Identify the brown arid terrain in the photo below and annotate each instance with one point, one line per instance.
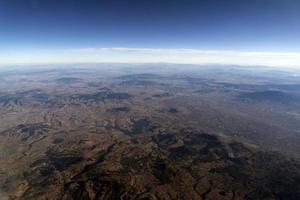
(159, 131)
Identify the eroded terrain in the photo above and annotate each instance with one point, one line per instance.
(149, 132)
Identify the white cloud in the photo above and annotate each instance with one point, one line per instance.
(188, 51)
(154, 55)
(195, 56)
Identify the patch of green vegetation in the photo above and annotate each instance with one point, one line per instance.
(93, 172)
(135, 163)
(57, 140)
(100, 153)
(173, 110)
(163, 172)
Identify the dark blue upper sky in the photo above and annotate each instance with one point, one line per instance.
(249, 25)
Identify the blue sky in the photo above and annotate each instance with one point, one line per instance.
(50, 30)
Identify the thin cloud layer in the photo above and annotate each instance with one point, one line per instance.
(197, 56)
(154, 55)
(188, 51)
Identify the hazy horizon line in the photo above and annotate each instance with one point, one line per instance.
(154, 55)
